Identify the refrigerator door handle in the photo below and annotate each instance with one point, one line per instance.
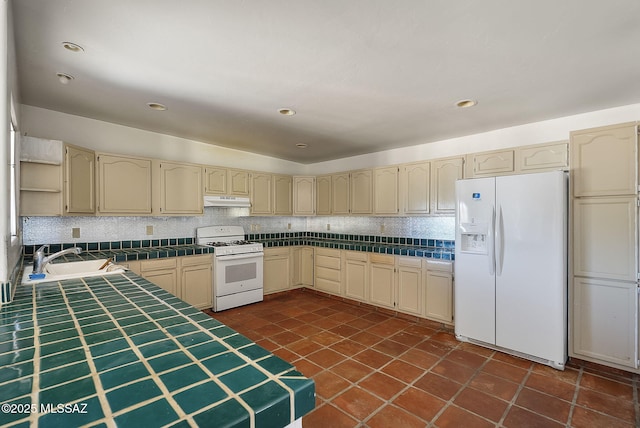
(492, 241)
(499, 244)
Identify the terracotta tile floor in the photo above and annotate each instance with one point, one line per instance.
(376, 370)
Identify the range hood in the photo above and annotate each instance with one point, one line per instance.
(226, 201)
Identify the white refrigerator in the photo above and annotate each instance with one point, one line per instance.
(511, 265)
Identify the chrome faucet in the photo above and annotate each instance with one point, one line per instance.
(40, 261)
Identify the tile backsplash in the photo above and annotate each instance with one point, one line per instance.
(37, 230)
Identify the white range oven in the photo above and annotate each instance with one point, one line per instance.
(237, 266)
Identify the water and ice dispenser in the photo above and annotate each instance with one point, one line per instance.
(473, 237)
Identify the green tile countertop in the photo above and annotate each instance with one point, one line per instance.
(118, 350)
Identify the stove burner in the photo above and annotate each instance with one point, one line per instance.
(228, 244)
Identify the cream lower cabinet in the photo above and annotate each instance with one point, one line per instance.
(327, 270)
(382, 283)
(124, 185)
(189, 278)
(196, 280)
(410, 285)
(605, 321)
(277, 269)
(302, 265)
(439, 291)
(355, 265)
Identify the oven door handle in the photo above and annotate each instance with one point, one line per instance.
(239, 256)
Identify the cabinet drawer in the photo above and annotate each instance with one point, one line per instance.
(326, 273)
(276, 251)
(414, 262)
(438, 265)
(196, 260)
(331, 252)
(355, 255)
(327, 261)
(329, 286)
(150, 265)
(383, 259)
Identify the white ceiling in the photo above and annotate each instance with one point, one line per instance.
(363, 75)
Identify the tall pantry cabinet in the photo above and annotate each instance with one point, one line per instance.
(604, 292)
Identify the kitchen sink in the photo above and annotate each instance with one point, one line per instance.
(70, 270)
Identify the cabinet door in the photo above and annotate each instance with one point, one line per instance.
(604, 161)
(340, 201)
(238, 182)
(410, 285)
(356, 277)
(261, 193)
(385, 200)
(282, 195)
(542, 157)
(605, 321)
(604, 237)
(323, 195)
(362, 192)
(197, 285)
(490, 163)
(215, 181)
(444, 173)
(165, 278)
(306, 266)
(382, 284)
(276, 273)
(180, 188)
(439, 299)
(124, 185)
(304, 195)
(416, 179)
(79, 180)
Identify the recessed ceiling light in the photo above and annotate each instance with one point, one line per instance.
(157, 106)
(287, 111)
(64, 78)
(301, 145)
(466, 103)
(72, 47)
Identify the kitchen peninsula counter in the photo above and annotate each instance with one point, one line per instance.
(119, 348)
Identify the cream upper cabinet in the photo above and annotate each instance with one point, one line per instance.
(40, 189)
(124, 185)
(237, 182)
(261, 193)
(180, 189)
(444, 173)
(215, 180)
(410, 285)
(382, 280)
(385, 197)
(542, 157)
(282, 194)
(415, 179)
(277, 269)
(79, 180)
(323, 195)
(604, 161)
(356, 275)
(340, 189)
(304, 195)
(439, 291)
(605, 231)
(605, 322)
(492, 163)
(362, 192)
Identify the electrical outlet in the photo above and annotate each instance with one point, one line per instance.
(382, 228)
(328, 226)
(288, 226)
(75, 232)
(149, 230)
